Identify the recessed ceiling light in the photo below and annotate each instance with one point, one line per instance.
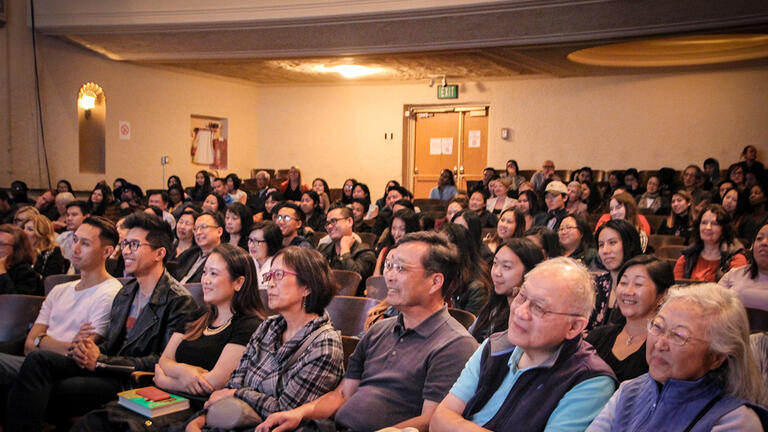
(676, 51)
(348, 70)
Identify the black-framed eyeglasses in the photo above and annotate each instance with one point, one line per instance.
(256, 241)
(332, 221)
(537, 310)
(203, 227)
(134, 244)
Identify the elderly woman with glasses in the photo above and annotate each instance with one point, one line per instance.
(701, 372)
(293, 357)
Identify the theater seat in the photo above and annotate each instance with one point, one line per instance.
(376, 287)
(348, 313)
(348, 281)
(17, 314)
(51, 281)
(465, 318)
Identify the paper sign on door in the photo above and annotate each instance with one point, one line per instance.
(435, 146)
(474, 138)
(447, 146)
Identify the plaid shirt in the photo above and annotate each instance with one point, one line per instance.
(316, 372)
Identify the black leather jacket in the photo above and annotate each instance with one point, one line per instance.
(167, 311)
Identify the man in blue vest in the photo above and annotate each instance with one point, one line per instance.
(539, 374)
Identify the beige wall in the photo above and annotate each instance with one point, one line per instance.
(157, 103)
(642, 121)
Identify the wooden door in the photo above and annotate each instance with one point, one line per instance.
(452, 138)
(436, 148)
(474, 147)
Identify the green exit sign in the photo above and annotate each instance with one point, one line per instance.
(448, 91)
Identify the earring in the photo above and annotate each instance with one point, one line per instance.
(304, 302)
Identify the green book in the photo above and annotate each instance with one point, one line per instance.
(149, 408)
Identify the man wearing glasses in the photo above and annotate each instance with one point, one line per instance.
(208, 230)
(344, 252)
(289, 219)
(405, 364)
(144, 315)
(539, 374)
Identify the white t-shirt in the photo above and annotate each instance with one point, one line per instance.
(65, 310)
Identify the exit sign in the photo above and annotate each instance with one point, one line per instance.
(448, 91)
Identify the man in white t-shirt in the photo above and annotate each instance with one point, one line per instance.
(74, 309)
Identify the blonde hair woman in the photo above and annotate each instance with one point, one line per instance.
(48, 257)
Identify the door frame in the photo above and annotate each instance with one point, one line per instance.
(409, 137)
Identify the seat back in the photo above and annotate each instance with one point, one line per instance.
(670, 251)
(348, 313)
(51, 281)
(367, 238)
(315, 237)
(348, 281)
(17, 314)
(655, 221)
(658, 240)
(376, 287)
(758, 320)
(196, 289)
(348, 343)
(465, 318)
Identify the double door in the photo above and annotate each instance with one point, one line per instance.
(454, 138)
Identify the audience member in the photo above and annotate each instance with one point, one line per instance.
(403, 222)
(680, 220)
(528, 205)
(191, 263)
(46, 205)
(539, 374)
(63, 186)
(292, 188)
(477, 203)
(23, 214)
(653, 200)
(19, 193)
(512, 172)
(202, 187)
(632, 183)
(643, 282)
(360, 209)
(469, 220)
(6, 210)
(702, 375)
(473, 283)
(751, 281)
(446, 187)
(234, 193)
(546, 240)
(264, 241)
(100, 200)
(16, 258)
(273, 199)
(511, 224)
(256, 200)
(74, 309)
(577, 240)
(513, 260)
(160, 200)
(289, 219)
(711, 173)
(715, 250)
(750, 162)
(237, 224)
(736, 175)
(71, 386)
(320, 186)
(404, 365)
(500, 201)
(736, 204)
(185, 233)
(310, 205)
(62, 199)
(574, 205)
(546, 174)
(344, 252)
(455, 205)
(48, 257)
(556, 194)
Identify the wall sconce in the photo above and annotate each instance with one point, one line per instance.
(89, 95)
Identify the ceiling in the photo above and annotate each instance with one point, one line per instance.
(502, 39)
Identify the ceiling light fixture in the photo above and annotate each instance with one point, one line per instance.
(348, 70)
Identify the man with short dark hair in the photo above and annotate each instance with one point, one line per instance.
(344, 252)
(555, 196)
(405, 364)
(77, 308)
(360, 208)
(289, 218)
(220, 188)
(208, 230)
(159, 199)
(540, 374)
(144, 315)
(45, 204)
(77, 211)
(693, 178)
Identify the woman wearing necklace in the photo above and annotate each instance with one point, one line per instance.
(201, 360)
(643, 281)
(293, 357)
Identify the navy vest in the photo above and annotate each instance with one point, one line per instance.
(537, 391)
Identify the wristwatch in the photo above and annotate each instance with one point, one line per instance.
(39, 339)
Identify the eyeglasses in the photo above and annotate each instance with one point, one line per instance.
(284, 218)
(678, 336)
(537, 311)
(203, 227)
(566, 228)
(331, 222)
(396, 267)
(134, 244)
(348, 187)
(278, 274)
(256, 241)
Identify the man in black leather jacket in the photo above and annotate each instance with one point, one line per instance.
(144, 315)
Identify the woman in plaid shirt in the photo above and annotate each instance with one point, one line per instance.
(270, 376)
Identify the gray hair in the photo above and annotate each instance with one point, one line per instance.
(265, 174)
(64, 198)
(576, 276)
(727, 330)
